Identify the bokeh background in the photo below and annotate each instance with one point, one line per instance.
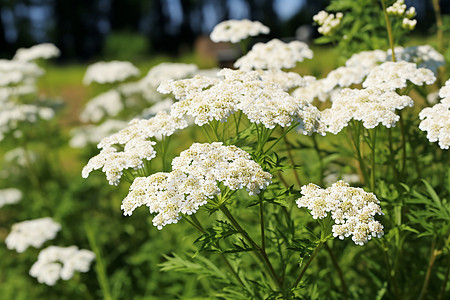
(116, 29)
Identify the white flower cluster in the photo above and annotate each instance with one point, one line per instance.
(136, 147)
(12, 114)
(274, 54)
(236, 30)
(399, 9)
(356, 68)
(31, 233)
(106, 104)
(110, 72)
(9, 196)
(371, 106)
(193, 180)
(262, 101)
(328, 22)
(436, 119)
(60, 262)
(352, 210)
(92, 134)
(424, 56)
(390, 76)
(45, 50)
(286, 80)
(167, 71)
(14, 72)
(145, 88)
(161, 106)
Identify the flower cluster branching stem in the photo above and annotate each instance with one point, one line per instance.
(100, 264)
(319, 155)
(339, 271)
(389, 29)
(197, 225)
(261, 251)
(446, 279)
(433, 254)
(305, 267)
(291, 158)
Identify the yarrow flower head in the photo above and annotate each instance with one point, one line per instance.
(436, 119)
(167, 71)
(194, 179)
(255, 94)
(390, 76)
(236, 30)
(45, 50)
(106, 104)
(110, 72)
(423, 56)
(14, 72)
(328, 22)
(356, 69)
(274, 54)
(398, 9)
(92, 134)
(60, 262)
(352, 210)
(130, 148)
(9, 196)
(31, 233)
(371, 106)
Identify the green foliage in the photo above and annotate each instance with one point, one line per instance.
(123, 45)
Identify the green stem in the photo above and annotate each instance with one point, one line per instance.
(214, 125)
(392, 157)
(282, 136)
(389, 29)
(439, 25)
(261, 218)
(433, 255)
(372, 170)
(262, 254)
(305, 267)
(100, 265)
(389, 271)
(446, 277)
(210, 140)
(354, 130)
(291, 158)
(319, 154)
(403, 132)
(196, 224)
(339, 271)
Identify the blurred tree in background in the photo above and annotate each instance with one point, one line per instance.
(86, 29)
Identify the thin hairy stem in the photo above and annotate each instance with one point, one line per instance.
(100, 269)
(433, 255)
(319, 154)
(391, 278)
(403, 132)
(305, 267)
(389, 29)
(338, 270)
(392, 157)
(282, 136)
(210, 140)
(439, 26)
(261, 219)
(262, 254)
(291, 158)
(196, 224)
(373, 155)
(446, 277)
